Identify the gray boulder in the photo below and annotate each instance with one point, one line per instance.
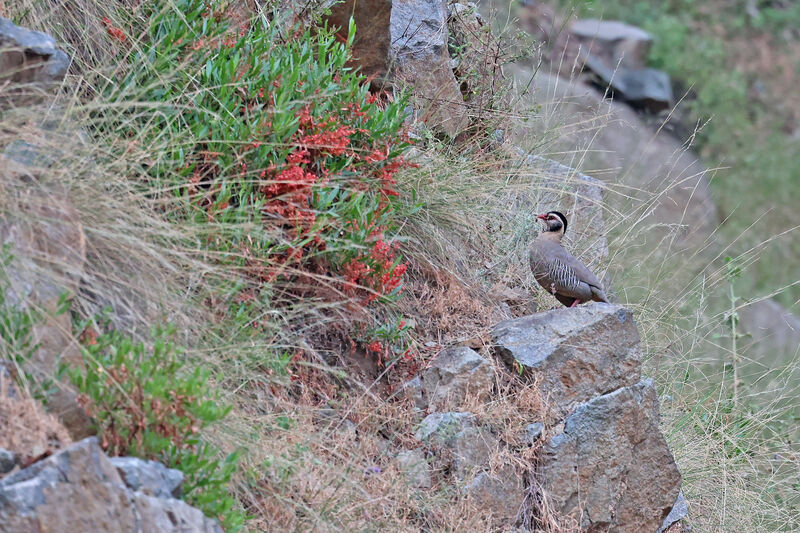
(415, 468)
(611, 469)
(454, 374)
(613, 42)
(460, 434)
(79, 489)
(573, 354)
(645, 88)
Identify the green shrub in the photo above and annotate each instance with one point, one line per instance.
(145, 403)
(268, 140)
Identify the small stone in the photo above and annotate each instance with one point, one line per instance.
(679, 511)
(471, 445)
(8, 460)
(533, 432)
(453, 375)
(415, 468)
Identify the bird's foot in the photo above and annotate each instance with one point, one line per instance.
(575, 302)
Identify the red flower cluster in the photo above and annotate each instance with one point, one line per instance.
(375, 271)
(290, 192)
(113, 31)
(319, 136)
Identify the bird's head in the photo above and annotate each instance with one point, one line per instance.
(554, 221)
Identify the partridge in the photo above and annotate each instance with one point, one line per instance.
(557, 270)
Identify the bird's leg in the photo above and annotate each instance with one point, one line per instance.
(575, 302)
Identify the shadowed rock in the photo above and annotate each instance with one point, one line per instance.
(611, 469)
(421, 59)
(573, 354)
(371, 45)
(28, 60)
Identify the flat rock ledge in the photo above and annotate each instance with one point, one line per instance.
(573, 354)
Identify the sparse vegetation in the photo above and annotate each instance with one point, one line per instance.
(245, 186)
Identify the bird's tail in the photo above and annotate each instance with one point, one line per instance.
(598, 295)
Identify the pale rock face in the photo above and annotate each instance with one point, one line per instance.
(613, 42)
(420, 58)
(573, 354)
(611, 469)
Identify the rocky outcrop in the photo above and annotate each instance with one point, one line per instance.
(611, 469)
(371, 44)
(80, 489)
(406, 42)
(29, 61)
(573, 355)
(420, 57)
(602, 462)
(453, 375)
(459, 443)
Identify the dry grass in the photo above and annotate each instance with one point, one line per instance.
(320, 449)
(27, 429)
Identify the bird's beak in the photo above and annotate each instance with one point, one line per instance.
(541, 217)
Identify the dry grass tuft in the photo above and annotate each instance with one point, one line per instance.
(27, 429)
